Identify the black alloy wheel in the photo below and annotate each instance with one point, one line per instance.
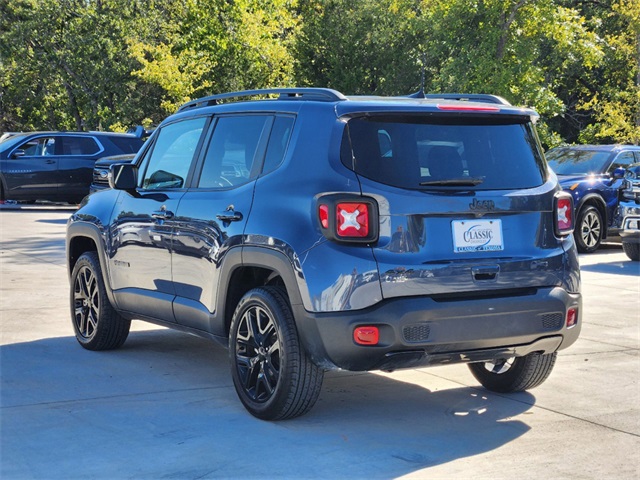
(258, 354)
(272, 374)
(96, 324)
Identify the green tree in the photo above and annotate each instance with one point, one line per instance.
(612, 105)
(214, 46)
(65, 64)
(360, 47)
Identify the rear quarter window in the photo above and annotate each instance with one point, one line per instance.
(79, 146)
(127, 145)
(483, 153)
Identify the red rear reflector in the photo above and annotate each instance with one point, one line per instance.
(468, 108)
(323, 213)
(572, 317)
(366, 335)
(352, 219)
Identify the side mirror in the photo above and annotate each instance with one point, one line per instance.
(18, 153)
(123, 176)
(619, 172)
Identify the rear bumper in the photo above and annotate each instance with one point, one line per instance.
(423, 331)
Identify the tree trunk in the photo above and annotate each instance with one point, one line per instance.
(74, 106)
(505, 28)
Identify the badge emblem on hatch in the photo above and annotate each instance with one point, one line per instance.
(482, 205)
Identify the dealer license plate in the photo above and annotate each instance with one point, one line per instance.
(477, 235)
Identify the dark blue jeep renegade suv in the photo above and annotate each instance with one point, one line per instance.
(310, 231)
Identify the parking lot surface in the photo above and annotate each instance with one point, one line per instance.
(163, 406)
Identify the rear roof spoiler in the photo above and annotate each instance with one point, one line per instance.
(462, 97)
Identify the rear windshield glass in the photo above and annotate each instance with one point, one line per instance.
(444, 152)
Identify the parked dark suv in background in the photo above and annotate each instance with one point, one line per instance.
(628, 213)
(315, 231)
(593, 175)
(56, 166)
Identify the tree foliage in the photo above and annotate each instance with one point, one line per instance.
(110, 64)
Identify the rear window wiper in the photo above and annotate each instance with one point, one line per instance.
(454, 182)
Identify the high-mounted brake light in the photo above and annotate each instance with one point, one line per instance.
(563, 212)
(467, 108)
(348, 218)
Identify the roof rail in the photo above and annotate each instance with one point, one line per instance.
(466, 97)
(317, 94)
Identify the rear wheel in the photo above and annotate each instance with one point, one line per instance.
(588, 233)
(632, 250)
(96, 323)
(272, 374)
(514, 374)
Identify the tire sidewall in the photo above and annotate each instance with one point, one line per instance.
(632, 250)
(582, 247)
(283, 323)
(497, 382)
(108, 320)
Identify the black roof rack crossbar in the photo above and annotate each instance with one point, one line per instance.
(468, 97)
(317, 94)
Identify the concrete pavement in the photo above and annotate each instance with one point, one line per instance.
(164, 406)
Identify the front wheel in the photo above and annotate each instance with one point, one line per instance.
(514, 374)
(632, 250)
(272, 374)
(590, 229)
(97, 325)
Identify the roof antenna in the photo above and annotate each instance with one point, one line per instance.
(420, 93)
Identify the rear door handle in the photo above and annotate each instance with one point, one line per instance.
(229, 215)
(162, 214)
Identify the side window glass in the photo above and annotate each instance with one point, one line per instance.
(79, 146)
(623, 160)
(171, 156)
(232, 151)
(278, 142)
(39, 147)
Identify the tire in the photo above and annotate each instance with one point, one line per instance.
(589, 229)
(272, 374)
(632, 250)
(96, 323)
(515, 374)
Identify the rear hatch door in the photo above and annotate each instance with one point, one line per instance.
(465, 202)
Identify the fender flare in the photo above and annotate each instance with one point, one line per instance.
(77, 229)
(259, 257)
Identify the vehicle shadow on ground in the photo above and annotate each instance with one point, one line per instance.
(164, 406)
(58, 221)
